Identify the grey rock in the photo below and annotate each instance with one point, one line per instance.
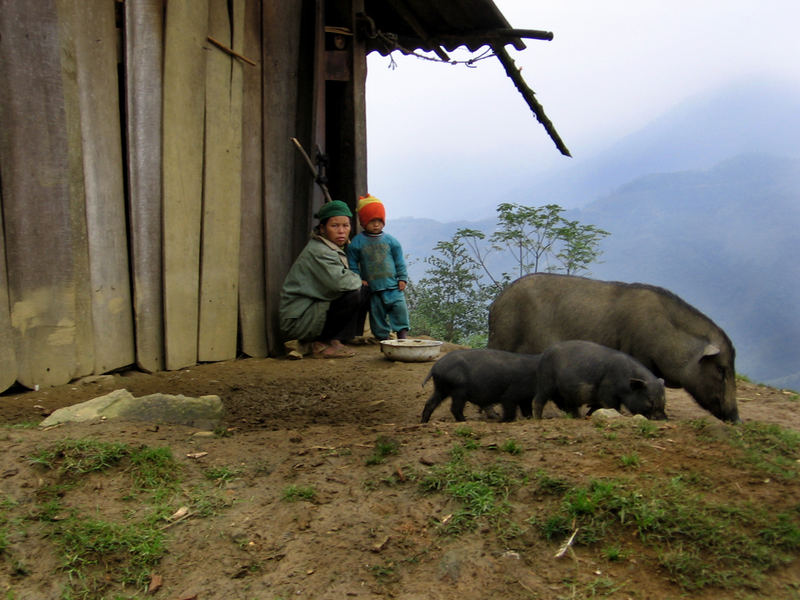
(605, 413)
(204, 413)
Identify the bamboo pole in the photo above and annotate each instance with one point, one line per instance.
(529, 95)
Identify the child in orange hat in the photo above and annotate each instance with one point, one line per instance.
(378, 258)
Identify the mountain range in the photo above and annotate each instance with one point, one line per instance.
(714, 217)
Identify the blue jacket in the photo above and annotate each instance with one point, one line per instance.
(378, 259)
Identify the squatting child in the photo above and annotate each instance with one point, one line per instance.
(378, 258)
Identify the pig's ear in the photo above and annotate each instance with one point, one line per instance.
(637, 384)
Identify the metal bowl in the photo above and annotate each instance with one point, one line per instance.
(411, 350)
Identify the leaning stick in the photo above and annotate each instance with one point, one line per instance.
(313, 168)
(224, 48)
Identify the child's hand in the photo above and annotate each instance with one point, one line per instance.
(364, 282)
(401, 285)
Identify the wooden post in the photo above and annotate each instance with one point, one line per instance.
(252, 286)
(222, 187)
(280, 61)
(39, 193)
(347, 133)
(358, 94)
(144, 40)
(184, 107)
(101, 139)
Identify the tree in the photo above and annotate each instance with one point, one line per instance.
(450, 303)
(580, 246)
(528, 233)
(473, 239)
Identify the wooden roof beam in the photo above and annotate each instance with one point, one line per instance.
(492, 36)
(528, 94)
(409, 17)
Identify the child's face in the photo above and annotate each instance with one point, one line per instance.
(374, 226)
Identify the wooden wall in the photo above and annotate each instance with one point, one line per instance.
(152, 201)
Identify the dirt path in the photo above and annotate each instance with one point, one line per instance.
(370, 532)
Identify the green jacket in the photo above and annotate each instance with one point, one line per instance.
(318, 276)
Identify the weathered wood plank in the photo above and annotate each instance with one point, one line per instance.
(184, 105)
(144, 95)
(8, 360)
(34, 152)
(252, 287)
(84, 328)
(112, 315)
(281, 56)
(222, 186)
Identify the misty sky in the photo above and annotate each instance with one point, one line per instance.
(441, 137)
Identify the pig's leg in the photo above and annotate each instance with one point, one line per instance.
(538, 405)
(458, 404)
(509, 410)
(434, 401)
(526, 407)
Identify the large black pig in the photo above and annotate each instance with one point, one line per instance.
(483, 377)
(577, 373)
(674, 340)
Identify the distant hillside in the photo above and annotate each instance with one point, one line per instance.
(724, 239)
(746, 116)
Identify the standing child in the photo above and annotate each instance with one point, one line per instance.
(378, 258)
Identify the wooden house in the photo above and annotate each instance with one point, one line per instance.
(154, 192)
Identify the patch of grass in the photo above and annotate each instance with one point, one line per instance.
(646, 428)
(293, 493)
(100, 557)
(79, 457)
(702, 429)
(5, 505)
(549, 484)
(631, 460)
(614, 553)
(512, 447)
(553, 528)
(222, 475)
(204, 504)
(481, 491)
(769, 448)
(699, 543)
(23, 425)
(384, 573)
(90, 546)
(691, 479)
(384, 446)
(222, 432)
(154, 470)
(465, 432)
(601, 587)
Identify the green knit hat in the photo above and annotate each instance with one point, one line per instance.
(335, 208)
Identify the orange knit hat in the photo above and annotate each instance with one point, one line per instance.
(369, 207)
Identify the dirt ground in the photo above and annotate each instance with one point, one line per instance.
(369, 531)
